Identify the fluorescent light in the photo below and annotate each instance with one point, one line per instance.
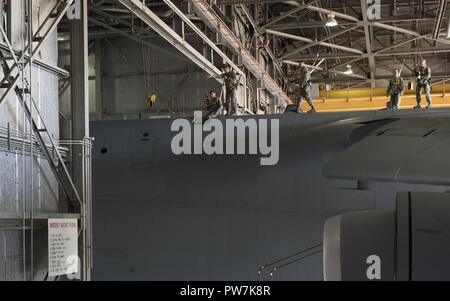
(331, 21)
(448, 30)
(349, 70)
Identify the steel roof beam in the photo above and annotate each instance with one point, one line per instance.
(376, 24)
(439, 18)
(302, 48)
(369, 43)
(314, 24)
(213, 21)
(326, 70)
(312, 42)
(287, 14)
(259, 33)
(332, 56)
(158, 25)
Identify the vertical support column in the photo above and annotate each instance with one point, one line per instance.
(99, 79)
(80, 112)
(12, 114)
(15, 27)
(368, 34)
(2, 7)
(79, 89)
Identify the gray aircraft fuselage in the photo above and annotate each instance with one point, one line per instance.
(160, 216)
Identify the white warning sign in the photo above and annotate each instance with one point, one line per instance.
(62, 246)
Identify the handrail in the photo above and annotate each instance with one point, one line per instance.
(291, 262)
(261, 268)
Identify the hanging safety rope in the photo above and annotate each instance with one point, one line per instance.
(148, 63)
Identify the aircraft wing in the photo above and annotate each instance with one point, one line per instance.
(412, 150)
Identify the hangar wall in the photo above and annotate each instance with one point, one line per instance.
(16, 190)
(180, 86)
(128, 71)
(125, 65)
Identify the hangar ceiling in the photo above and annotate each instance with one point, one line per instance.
(403, 32)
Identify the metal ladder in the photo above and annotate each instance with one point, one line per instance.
(9, 82)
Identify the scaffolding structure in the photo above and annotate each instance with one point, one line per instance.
(36, 141)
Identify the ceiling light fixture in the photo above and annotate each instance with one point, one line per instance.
(349, 70)
(448, 30)
(331, 21)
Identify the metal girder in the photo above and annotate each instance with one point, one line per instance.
(258, 31)
(332, 56)
(409, 32)
(36, 62)
(203, 36)
(313, 24)
(328, 12)
(314, 43)
(304, 25)
(385, 28)
(368, 40)
(37, 123)
(213, 21)
(151, 19)
(438, 76)
(229, 2)
(40, 37)
(210, 43)
(134, 38)
(36, 128)
(133, 27)
(376, 24)
(327, 70)
(287, 14)
(439, 18)
(380, 51)
(338, 33)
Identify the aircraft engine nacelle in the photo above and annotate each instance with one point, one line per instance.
(411, 242)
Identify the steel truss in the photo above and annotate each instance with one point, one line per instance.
(52, 151)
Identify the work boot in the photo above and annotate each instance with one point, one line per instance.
(417, 107)
(429, 106)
